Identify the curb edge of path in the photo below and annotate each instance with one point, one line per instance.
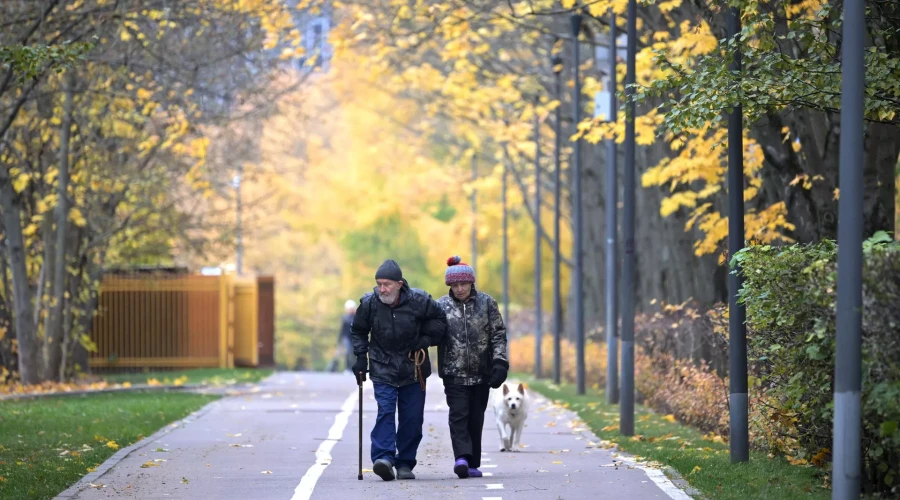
(200, 388)
(671, 474)
(109, 390)
(120, 455)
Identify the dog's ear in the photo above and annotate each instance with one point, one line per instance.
(521, 389)
(505, 390)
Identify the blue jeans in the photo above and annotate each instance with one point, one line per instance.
(398, 444)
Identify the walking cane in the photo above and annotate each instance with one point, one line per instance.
(360, 425)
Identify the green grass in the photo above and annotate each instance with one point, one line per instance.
(213, 376)
(47, 444)
(704, 463)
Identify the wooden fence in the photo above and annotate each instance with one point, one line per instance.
(181, 321)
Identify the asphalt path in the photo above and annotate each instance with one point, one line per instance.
(295, 436)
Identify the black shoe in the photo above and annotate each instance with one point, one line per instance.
(384, 469)
(404, 472)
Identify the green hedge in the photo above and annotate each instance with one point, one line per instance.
(790, 296)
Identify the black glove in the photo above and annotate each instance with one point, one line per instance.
(359, 368)
(421, 343)
(498, 375)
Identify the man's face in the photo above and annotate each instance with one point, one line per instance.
(461, 290)
(388, 290)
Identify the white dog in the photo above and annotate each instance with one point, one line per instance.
(510, 412)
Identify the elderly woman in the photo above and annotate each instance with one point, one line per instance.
(471, 360)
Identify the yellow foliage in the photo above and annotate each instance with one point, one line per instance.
(702, 159)
(76, 217)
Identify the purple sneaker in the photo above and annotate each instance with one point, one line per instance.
(461, 468)
(474, 473)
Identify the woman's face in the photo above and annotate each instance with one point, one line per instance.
(461, 290)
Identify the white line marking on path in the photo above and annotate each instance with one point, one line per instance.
(304, 490)
(658, 477)
(491, 498)
(489, 466)
(655, 475)
(487, 474)
(498, 486)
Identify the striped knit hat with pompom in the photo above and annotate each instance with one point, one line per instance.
(458, 271)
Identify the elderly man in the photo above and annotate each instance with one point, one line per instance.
(403, 323)
(471, 360)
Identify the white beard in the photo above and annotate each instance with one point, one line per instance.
(389, 299)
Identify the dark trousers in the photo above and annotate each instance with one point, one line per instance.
(398, 444)
(467, 405)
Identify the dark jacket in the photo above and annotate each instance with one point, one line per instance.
(394, 332)
(475, 341)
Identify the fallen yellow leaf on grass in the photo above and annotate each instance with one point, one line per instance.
(126, 384)
(715, 438)
(112, 444)
(696, 469)
(669, 418)
(819, 458)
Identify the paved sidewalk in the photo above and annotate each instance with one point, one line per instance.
(296, 437)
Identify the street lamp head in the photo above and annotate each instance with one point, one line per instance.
(575, 22)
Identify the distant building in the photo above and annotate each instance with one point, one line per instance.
(315, 26)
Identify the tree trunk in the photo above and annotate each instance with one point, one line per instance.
(29, 348)
(666, 268)
(55, 334)
(84, 324)
(814, 211)
(7, 357)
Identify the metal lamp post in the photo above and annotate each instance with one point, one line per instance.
(239, 250)
(737, 330)
(848, 361)
(505, 254)
(577, 272)
(474, 214)
(557, 61)
(626, 407)
(539, 318)
(612, 268)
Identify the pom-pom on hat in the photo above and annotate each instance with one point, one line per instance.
(458, 271)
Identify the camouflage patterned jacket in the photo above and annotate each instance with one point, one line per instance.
(475, 340)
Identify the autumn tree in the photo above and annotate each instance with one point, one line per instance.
(98, 160)
(789, 88)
